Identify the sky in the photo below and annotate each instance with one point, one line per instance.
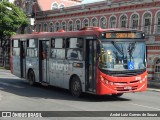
(11, 0)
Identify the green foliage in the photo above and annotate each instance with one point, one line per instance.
(11, 19)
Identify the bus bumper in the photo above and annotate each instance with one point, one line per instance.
(104, 88)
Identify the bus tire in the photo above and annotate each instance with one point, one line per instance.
(117, 95)
(76, 87)
(31, 78)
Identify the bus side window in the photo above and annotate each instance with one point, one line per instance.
(75, 48)
(57, 48)
(52, 43)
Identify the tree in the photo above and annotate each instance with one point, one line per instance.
(12, 19)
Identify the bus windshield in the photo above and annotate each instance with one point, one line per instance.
(118, 56)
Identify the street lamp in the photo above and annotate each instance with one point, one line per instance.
(12, 10)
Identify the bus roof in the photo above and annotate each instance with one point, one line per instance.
(61, 33)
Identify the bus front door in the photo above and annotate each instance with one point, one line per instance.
(44, 61)
(23, 58)
(91, 65)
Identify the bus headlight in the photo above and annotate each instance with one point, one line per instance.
(101, 78)
(107, 81)
(111, 83)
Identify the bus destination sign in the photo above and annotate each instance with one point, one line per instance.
(123, 35)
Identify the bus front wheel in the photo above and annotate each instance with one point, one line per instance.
(31, 78)
(75, 87)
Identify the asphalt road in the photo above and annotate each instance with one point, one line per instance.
(17, 95)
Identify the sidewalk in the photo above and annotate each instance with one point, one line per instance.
(154, 85)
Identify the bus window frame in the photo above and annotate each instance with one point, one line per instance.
(82, 49)
(34, 48)
(16, 47)
(63, 47)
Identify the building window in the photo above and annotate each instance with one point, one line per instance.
(134, 20)
(157, 69)
(103, 22)
(39, 28)
(94, 22)
(64, 25)
(61, 6)
(54, 6)
(51, 28)
(85, 23)
(78, 25)
(123, 21)
(158, 23)
(70, 26)
(113, 22)
(147, 23)
(45, 27)
(36, 28)
(57, 26)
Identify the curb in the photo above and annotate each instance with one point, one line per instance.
(153, 89)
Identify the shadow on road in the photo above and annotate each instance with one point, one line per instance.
(22, 88)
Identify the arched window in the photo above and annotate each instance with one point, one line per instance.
(94, 22)
(147, 23)
(57, 26)
(134, 21)
(70, 26)
(78, 25)
(36, 28)
(64, 25)
(113, 22)
(39, 28)
(61, 6)
(158, 23)
(157, 69)
(85, 23)
(123, 21)
(51, 27)
(44, 27)
(54, 6)
(103, 22)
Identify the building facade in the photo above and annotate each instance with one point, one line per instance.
(136, 14)
(30, 7)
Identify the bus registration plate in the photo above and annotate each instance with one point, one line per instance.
(127, 88)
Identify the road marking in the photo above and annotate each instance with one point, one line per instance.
(144, 106)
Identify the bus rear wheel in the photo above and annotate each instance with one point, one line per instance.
(117, 95)
(31, 78)
(75, 87)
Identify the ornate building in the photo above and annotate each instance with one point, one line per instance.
(30, 7)
(136, 14)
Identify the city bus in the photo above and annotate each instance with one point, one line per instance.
(90, 60)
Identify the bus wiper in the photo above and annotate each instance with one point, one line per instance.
(131, 48)
(118, 48)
